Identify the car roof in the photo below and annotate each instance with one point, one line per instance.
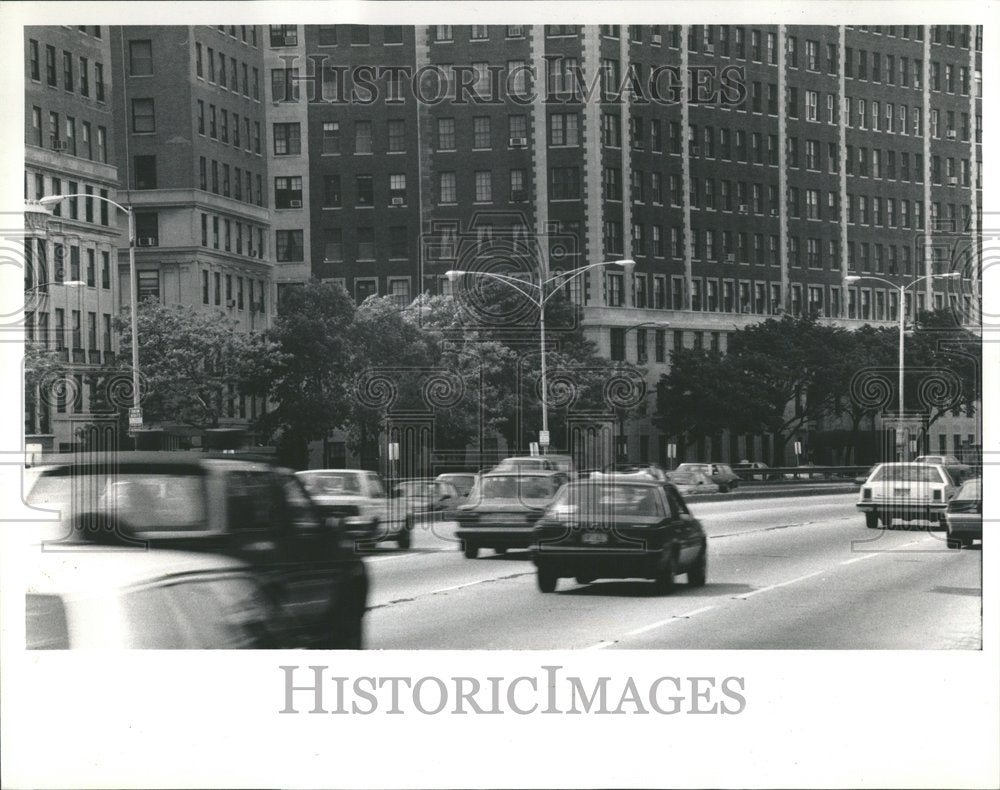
(618, 479)
(337, 471)
(524, 473)
(149, 458)
(81, 567)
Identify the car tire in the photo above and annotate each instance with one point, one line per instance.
(723, 488)
(887, 521)
(953, 542)
(664, 581)
(966, 543)
(871, 520)
(404, 539)
(471, 551)
(698, 574)
(547, 580)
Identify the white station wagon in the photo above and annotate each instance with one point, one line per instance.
(905, 492)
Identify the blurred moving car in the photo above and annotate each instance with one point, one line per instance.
(427, 499)
(692, 480)
(964, 515)
(905, 492)
(959, 472)
(528, 463)
(253, 511)
(462, 481)
(720, 474)
(753, 470)
(101, 597)
(616, 528)
(359, 499)
(503, 507)
(652, 471)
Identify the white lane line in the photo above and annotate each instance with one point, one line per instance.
(863, 557)
(780, 584)
(409, 555)
(881, 552)
(601, 645)
(671, 619)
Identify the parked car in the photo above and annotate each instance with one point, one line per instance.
(107, 598)
(964, 515)
(526, 463)
(959, 472)
(359, 499)
(753, 470)
(616, 528)
(905, 492)
(462, 481)
(653, 471)
(692, 481)
(427, 499)
(503, 507)
(252, 511)
(720, 474)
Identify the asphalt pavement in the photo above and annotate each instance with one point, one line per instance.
(783, 573)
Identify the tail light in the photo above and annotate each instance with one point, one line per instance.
(866, 493)
(936, 495)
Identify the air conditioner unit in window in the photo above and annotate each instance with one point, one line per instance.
(953, 180)
(295, 203)
(774, 212)
(695, 151)
(518, 142)
(397, 201)
(58, 145)
(146, 241)
(230, 303)
(744, 208)
(709, 49)
(951, 134)
(657, 39)
(731, 257)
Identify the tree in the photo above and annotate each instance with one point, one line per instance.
(303, 365)
(191, 363)
(689, 400)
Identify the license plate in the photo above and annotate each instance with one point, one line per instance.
(901, 491)
(594, 537)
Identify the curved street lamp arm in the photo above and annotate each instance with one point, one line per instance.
(49, 199)
(514, 283)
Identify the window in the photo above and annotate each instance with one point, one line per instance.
(143, 118)
(446, 134)
(613, 183)
(144, 172)
(50, 65)
(68, 83)
(105, 270)
(564, 129)
(481, 132)
(331, 137)
(333, 246)
(284, 85)
(140, 58)
(484, 186)
(148, 285)
(284, 35)
(287, 139)
(331, 191)
(442, 33)
(362, 137)
(397, 136)
(397, 188)
(364, 189)
(288, 192)
(288, 245)
(812, 105)
(518, 193)
(366, 244)
(446, 188)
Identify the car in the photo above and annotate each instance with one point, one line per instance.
(720, 474)
(426, 499)
(861, 478)
(618, 528)
(752, 470)
(964, 515)
(653, 471)
(959, 472)
(502, 509)
(462, 481)
(536, 463)
(692, 480)
(359, 498)
(253, 511)
(905, 492)
(115, 598)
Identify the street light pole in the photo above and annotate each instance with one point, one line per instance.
(539, 301)
(853, 278)
(50, 200)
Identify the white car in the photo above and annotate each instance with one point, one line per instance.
(905, 492)
(359, 498)
(690, 481)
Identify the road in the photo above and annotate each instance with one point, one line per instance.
(784, 573)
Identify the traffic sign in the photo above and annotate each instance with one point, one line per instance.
(135, 417)
(798, 448)
(672, 450)
(393, 451)
(543, 438)
(534, 448)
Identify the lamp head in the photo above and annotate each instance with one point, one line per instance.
(50, 200)
(851, 278)
(453, 274)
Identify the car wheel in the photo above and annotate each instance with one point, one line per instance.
(404, 539)
(698, 573)
(871, 520)
(547, 580)
(664, 581)
(723, 488)
(501, 550)
(471, 551)
(966, 543)
(887, 521)
(953, 543)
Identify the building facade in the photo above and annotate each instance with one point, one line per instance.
(70, 272)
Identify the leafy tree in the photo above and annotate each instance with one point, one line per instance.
(303, 365)
(191, 362)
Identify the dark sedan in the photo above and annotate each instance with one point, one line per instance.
(619, 529)
(964, 515)
(503, 507)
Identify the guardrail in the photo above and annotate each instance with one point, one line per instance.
(774, 474)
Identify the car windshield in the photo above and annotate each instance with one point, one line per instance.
(331, 483)
(462, 483)
(686, 476)
(909, 473)
(514, 488)
(607, 498)
(143, 501)
(692, 468)
(415, 489)
(971, 489)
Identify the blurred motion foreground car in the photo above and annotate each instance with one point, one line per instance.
(964, 515)
(358, 498)
(254, 512)
(619, 528)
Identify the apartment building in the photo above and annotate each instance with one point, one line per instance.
(70, 282)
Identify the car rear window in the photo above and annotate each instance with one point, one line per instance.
(331, 483)
(515, 488)
(143, 500)
(971, 489)
(907, 474)
(604, 499)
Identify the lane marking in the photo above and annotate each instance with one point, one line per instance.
(780, 584)
(671, 619)
(601, 645)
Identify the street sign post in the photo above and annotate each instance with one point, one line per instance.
(798, 453)
(135, 418)
(543, 438)
(534, 448)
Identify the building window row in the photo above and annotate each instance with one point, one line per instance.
(63, 134)
(232, 235)
(225, 127)
(393, 244)
(354, 35)
(220, 178)
(83, 202)
(245, 33)
(73, 73)
(232, 291)
(225, 72)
